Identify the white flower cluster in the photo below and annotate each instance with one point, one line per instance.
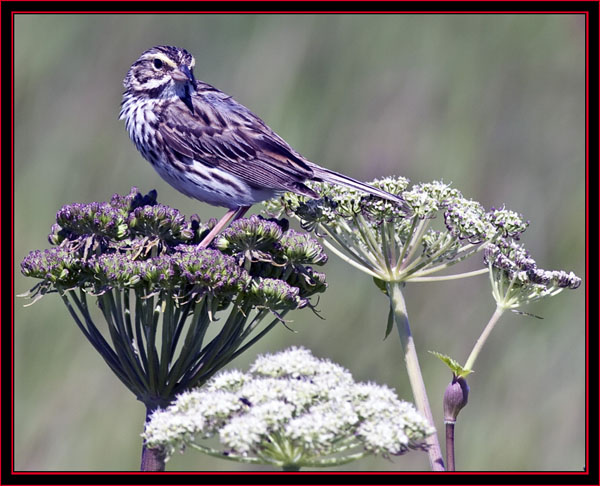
(290, 409)
(378, 237)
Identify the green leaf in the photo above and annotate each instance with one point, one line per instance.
(523, 313)
(454, 365)
(381, 285)
(390, 323)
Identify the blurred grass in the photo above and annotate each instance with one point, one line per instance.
(493, 103)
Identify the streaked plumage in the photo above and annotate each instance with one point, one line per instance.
(206, 144)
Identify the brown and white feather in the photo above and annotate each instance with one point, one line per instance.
(209, 146)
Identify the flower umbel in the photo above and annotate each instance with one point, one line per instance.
(379, 238)
(159, 292)
(516, 279)
(290, 410)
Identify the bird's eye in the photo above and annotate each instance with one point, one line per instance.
(158, 63)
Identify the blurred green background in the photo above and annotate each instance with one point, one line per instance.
(493, 103)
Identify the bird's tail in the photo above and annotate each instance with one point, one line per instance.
(326, 175)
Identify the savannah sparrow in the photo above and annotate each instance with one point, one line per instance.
(207, 145)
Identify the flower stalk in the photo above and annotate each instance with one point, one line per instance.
(413, 369)
(483, 337)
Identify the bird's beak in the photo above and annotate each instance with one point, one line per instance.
(183, 75)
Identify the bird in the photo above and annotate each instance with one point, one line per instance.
(210, 147)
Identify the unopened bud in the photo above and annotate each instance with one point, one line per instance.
(455, 398)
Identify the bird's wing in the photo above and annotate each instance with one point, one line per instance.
(223, 134)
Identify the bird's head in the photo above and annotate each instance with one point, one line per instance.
(162, 72)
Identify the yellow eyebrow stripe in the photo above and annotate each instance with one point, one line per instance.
(164, 58)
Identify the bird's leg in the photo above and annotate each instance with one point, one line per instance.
(229, 217)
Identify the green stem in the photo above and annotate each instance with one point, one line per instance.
(363, 261)
(168, 329)
(350, 240)
(484, 335)
(441, 278)
(369, 239)
(414, 371)
(413, 243)
(349, 260)
(270, 326)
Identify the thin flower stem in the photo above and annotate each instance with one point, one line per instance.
(208, 365)
(96, 339)
(127, 314)
(219, 343)
(369, 239)
(414, 243)
(362, 261)
(150, 325)
(349, 260)
(425, 266)
(450, 462)
(462, 254)
(188, 353)
(414, 371)
(334, 461)
(167, 335)
(347, 237)
(419, 264)
(91, 332)
(387, 241)
(272, 324)
(442, 278)
(136, 383)
(230, 457)
(125, 340)
(406, 245)
(139, 335)
(181, 320)
(388, 228)
(484, 335)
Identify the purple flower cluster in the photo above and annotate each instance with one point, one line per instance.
(131, 217)
(212, 270)
(133, 200)
(161, 222)
(134, 242)
(159, 292)
(514, 263)
(118, 270)
(300, 248)
(55, 265)
(508, 223)
(275, 294)
(93, 219)
(253, 233)
(266, 249)
(308, 281)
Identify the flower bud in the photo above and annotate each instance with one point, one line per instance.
(455, 398)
